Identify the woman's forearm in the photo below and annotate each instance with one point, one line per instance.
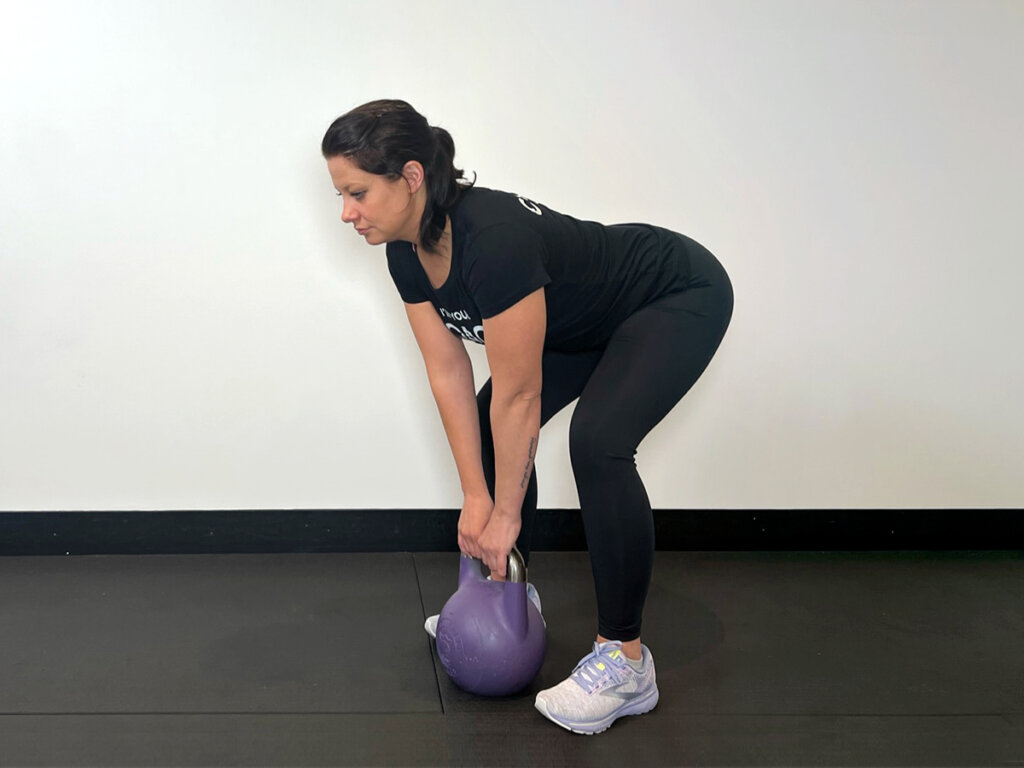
(515, 422)
(455, 395)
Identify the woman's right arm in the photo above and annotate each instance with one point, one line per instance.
(450, 372)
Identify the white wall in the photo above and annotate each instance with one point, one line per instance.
(185, 323)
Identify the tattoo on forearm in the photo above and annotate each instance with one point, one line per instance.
(529, 462)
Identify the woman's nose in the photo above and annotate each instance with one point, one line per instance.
(348, 215)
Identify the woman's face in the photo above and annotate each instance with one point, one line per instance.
(381, 210)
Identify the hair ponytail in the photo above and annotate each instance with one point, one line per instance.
(443, 186)
(380, 137)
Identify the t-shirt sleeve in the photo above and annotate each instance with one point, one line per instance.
(504, 264)
(402, 261)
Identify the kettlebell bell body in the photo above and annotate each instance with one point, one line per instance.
(490, 637)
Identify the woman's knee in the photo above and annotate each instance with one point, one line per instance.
(595, 442)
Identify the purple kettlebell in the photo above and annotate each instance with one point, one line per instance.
(490, 638)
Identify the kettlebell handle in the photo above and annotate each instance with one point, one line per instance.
(516, 568)
(515, 571)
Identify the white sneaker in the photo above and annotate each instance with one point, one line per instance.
(602, 688)
(531, 592)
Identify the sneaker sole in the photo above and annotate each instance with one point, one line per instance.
(638, 706)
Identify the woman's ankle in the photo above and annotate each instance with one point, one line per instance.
(631, 648)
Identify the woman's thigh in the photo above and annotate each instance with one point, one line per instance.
(564, 375)
(650, 362)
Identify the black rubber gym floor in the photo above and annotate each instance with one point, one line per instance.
(813, 659)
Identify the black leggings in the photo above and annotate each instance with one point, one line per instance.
(624, 389)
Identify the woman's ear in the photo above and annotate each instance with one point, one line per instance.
(414, 175)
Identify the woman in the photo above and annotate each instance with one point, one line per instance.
(623, 317)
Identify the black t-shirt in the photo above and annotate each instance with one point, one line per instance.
(505, 247)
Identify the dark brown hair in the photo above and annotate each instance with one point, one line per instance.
(382, 136)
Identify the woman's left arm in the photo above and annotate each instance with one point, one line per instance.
(514, 346)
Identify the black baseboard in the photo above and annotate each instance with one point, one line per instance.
(429, 530)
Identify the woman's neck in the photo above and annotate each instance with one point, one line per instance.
(442, 249)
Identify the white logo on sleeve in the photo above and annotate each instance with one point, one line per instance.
(529, 205)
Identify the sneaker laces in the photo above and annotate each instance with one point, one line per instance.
(602, 665)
